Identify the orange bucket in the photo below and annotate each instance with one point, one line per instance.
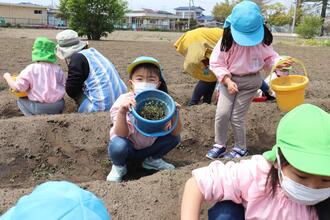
(289, 90)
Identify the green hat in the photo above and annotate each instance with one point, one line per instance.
(303, 135)
(43, 50)
(145, 59)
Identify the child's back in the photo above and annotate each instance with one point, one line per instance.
(43, 81)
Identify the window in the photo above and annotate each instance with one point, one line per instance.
(38, 12)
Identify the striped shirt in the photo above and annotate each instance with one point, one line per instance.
(103, 85)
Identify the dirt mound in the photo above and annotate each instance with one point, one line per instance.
(74, 146)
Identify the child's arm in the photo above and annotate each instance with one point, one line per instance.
(9, 80)
(191, 200)
(218, 63)
(178, 128)
(120, 125)
(22, 82)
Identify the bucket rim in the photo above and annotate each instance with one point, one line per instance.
(167, 118)
(301, 85)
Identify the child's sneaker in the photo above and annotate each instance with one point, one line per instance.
(216, 151)
(236, 152)
(117, 173)
(157, 164)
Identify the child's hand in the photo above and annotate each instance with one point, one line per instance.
(125, 106)
(285, 66)
(6, 75)
(232, 87)
(178, 106)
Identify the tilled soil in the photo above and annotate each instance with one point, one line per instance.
(73, 146)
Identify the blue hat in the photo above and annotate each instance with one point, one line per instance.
(145, 59)
(58, 200)
(246, 24)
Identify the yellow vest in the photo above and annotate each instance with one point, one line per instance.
(197, 45)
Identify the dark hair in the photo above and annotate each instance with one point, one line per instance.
(227, 38)
(151, 68)
(322, 208)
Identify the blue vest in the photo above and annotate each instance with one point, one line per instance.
(103, 85)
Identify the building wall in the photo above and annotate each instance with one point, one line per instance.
(23, 15)
(55, 21)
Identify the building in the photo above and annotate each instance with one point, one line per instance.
(148, 19)
(53, 20)
(184, 12)
(25, 14)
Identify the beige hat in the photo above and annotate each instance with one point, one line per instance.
(68, 43)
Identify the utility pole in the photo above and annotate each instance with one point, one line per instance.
(189, 14)
(295, 4)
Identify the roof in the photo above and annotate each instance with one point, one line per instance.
(205, 17)
(24, 4)
(151, 14)
(150, 11)
(186, 8)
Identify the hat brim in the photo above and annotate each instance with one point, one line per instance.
(248, 39)
(316, 164)
(134, 64)
(65, 52)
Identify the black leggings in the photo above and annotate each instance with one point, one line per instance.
(202, 89)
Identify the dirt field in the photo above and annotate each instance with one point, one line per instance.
(74, 146)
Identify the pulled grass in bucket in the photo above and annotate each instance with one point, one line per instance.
(153, 110)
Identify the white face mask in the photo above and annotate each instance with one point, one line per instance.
(143, 86)
(298, 192)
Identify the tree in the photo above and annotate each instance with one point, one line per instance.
(323, 11)
(323, 14)
(276, 15)
(93, 18)
(222, 10)
(310, 26)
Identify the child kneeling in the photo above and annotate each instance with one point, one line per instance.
(126, 143)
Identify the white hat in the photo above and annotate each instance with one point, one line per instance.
(68, 43)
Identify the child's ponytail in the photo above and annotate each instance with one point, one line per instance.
(227, 40)
(268, 36)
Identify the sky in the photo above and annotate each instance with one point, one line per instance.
(166, 5)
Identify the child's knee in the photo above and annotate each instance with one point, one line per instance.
(118, 146)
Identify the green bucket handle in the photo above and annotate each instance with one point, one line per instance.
(284, 60)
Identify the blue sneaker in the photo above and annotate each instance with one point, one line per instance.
(236, 152)
(216, 151)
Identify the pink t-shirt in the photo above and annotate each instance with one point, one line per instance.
(44, 82)
(242, 60)
(244, 183)
(137, 139)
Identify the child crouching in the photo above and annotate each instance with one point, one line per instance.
(126, 143)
